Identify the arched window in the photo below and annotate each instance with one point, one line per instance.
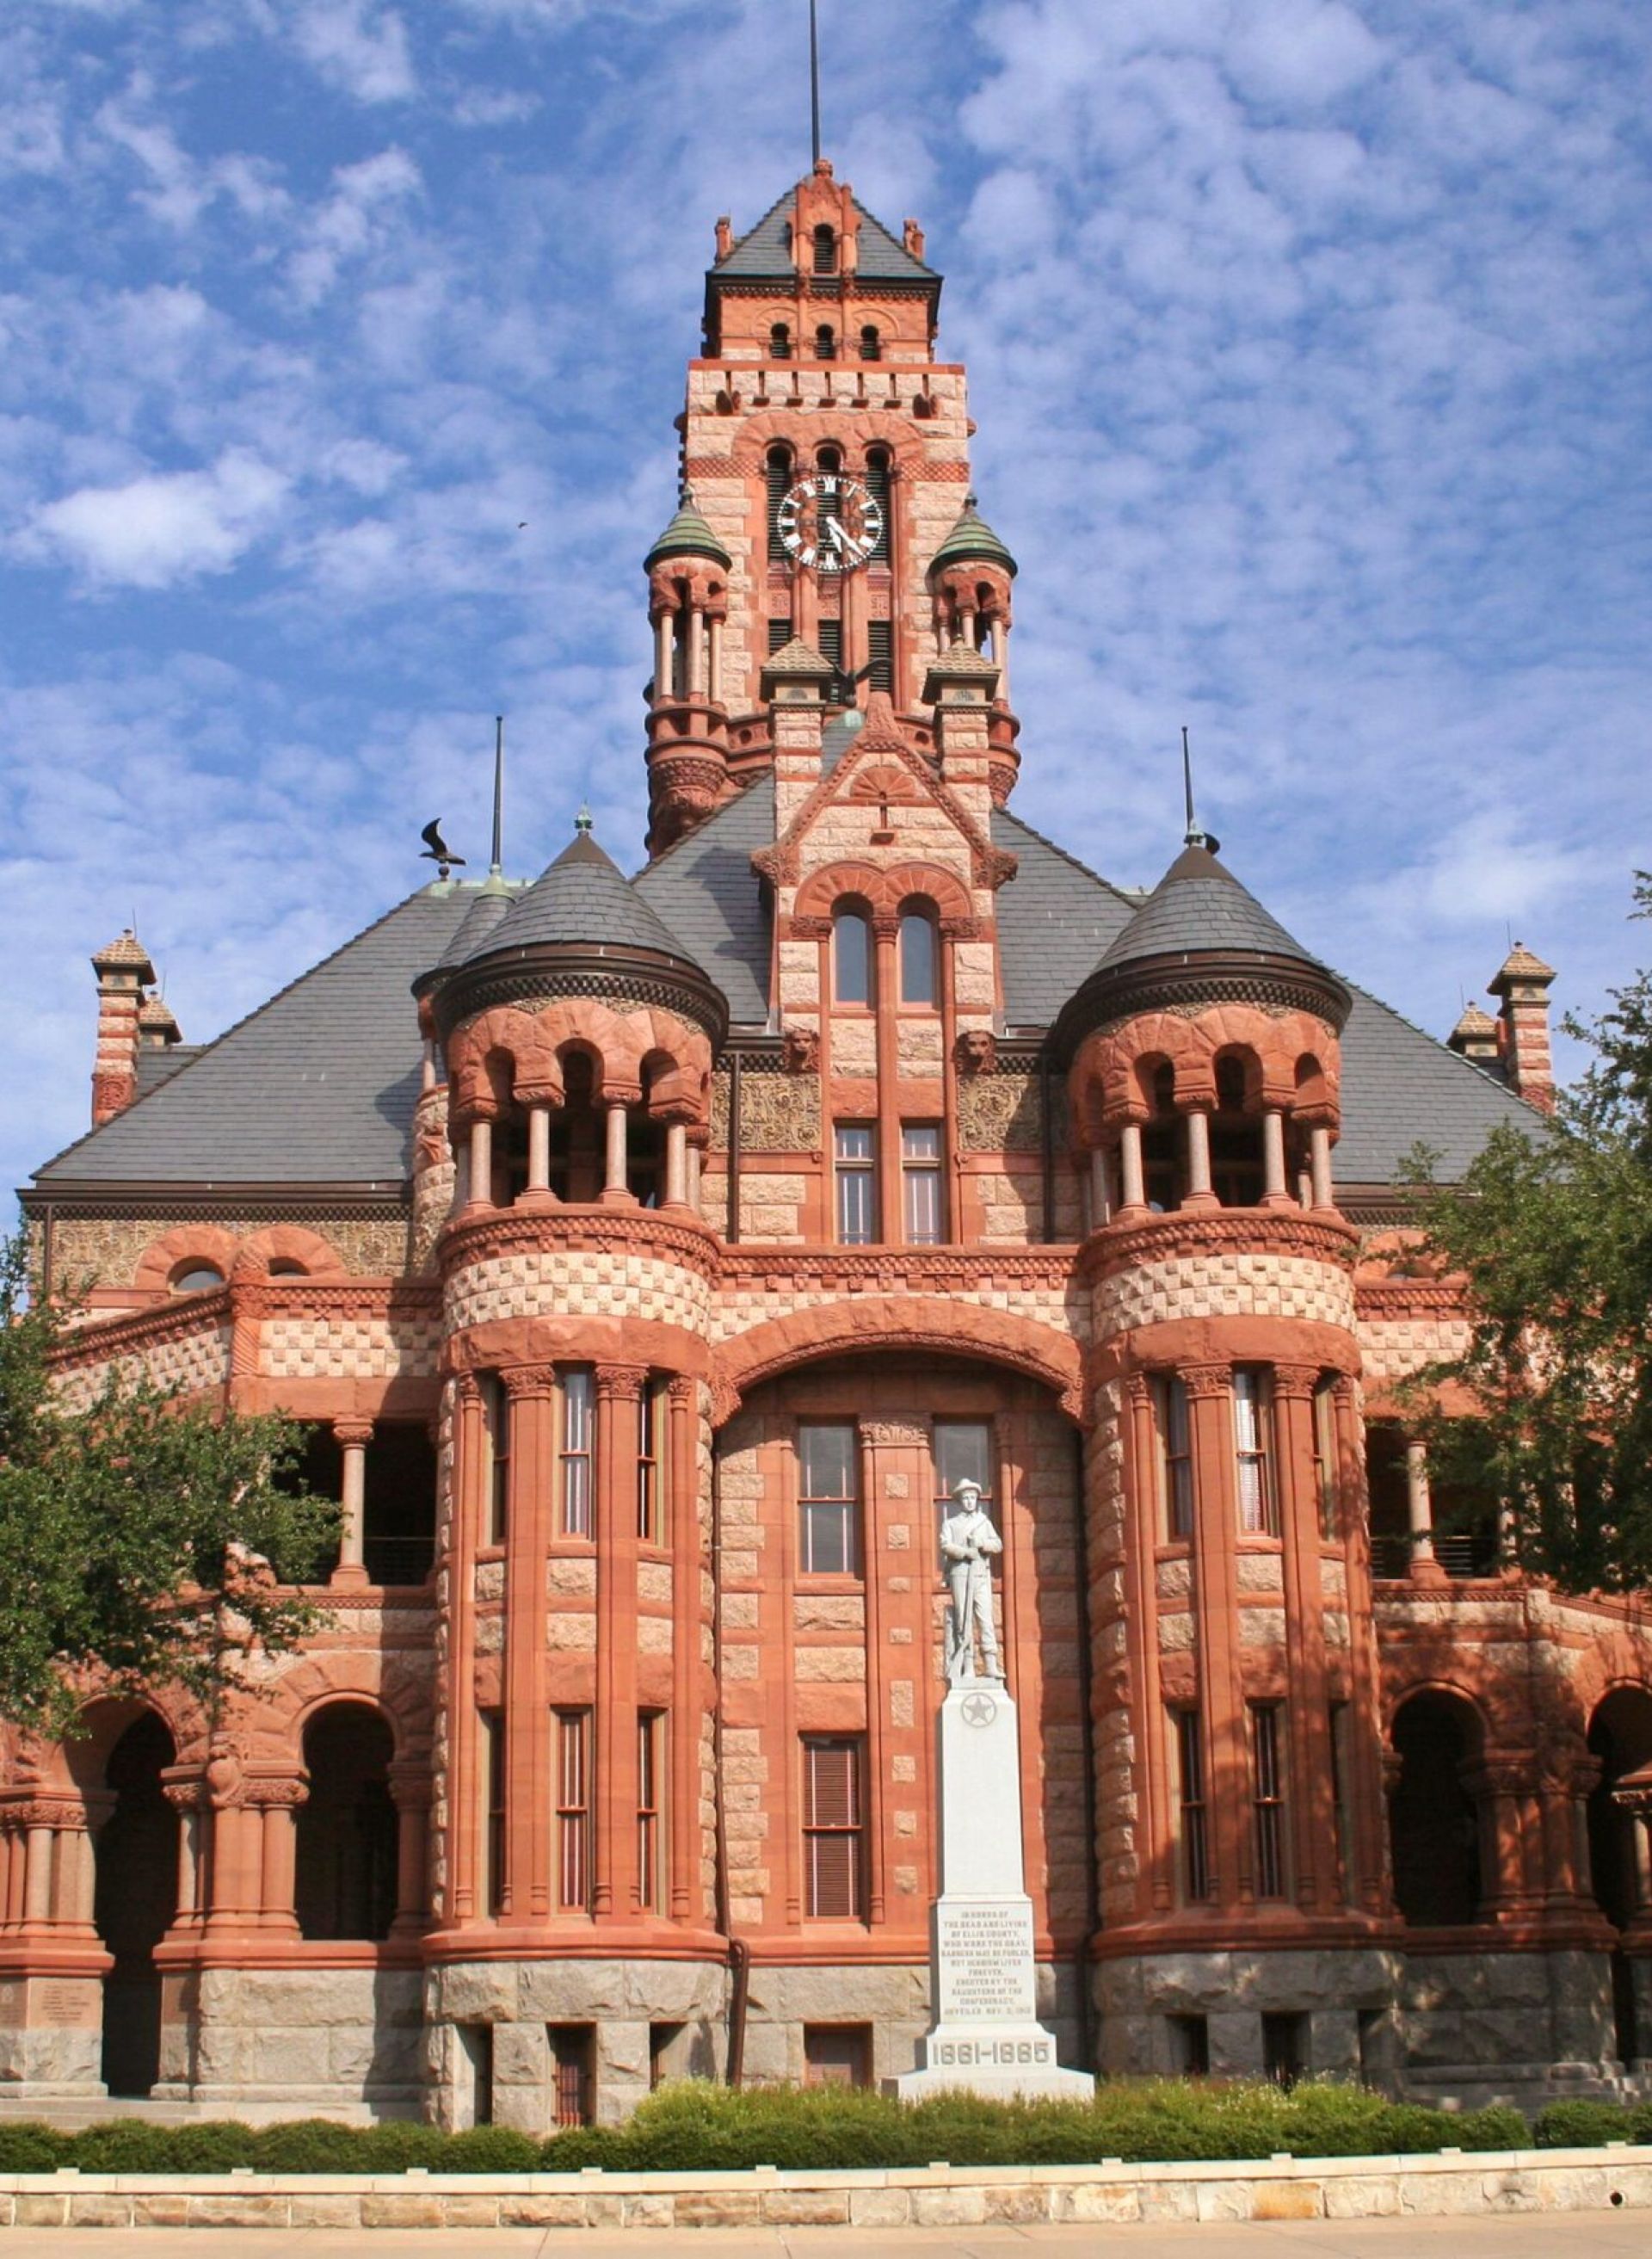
(779, 341)
(195, 1277)
(1433, 1821)
(777, 473)
(877, 483)
(284, 1267)
(871, 343)
(1621, 1736)
(919, 966)
(577, 1164)
(1237, 1171)
(851, 957)
(825, 342)
(399, 1503)
(1161, 1143)
(135, 1893)
(345, 1883)
(825, 241)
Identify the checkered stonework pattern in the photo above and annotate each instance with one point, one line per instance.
(567, 1282)
(1225, 1285)
(187, 1361)
(1392, 1348)
(327, 1347)
(741, 1307)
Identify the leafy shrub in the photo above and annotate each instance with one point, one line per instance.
(308, 2145)
(1500, 2126)
(399, 2142)
(580, 2146)
(1640, 2122)
(122, 2145)
(488, 2150)
(28, 2146)
(217, 2145)
(1581, 2125)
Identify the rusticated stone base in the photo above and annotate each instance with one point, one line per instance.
(517, 2002)
(50, 2036)
(1521, 2027)
(1345, 1997)
(294, 2041)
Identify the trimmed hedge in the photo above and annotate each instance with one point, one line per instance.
(696, 2126)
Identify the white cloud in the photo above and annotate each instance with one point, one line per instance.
(359, 48)
(353, 219)
(155, 531)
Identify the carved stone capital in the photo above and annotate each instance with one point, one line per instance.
(286, 1793)
(346, 1432)
(526, 1382)
(683, 1390)
(1296, 1380)
(1205, 1380)
(619, 1383)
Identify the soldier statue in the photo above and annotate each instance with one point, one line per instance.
(968, 1542)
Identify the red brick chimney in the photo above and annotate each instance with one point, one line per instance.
(124, 972)
(1522, 986)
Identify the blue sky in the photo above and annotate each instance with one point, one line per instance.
(1309, 347)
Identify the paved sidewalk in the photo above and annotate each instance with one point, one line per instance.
(1624, 2234)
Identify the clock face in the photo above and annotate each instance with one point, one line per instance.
(829, 522)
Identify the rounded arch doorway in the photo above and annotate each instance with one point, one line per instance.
(134, 1899)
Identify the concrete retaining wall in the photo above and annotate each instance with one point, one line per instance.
(938, 2196)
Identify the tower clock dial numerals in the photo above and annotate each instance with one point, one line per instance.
(829, 523)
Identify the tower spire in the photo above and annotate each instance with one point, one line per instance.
(1195, 835)
(814, 82)
(497, 867)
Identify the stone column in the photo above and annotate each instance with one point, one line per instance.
(1320, 1147)
(410, 1791)
(1133, 1183)
(683, 1849)
(664, 684)
(1312, 1821)
(1100, 1213)
(1420, 1516)
(615, 1188)
(524, 1893)
(619, 1390)
(1156, 1863)
(676, 1165)
(693, 1179)
(273, 1806)
(1366, 1791)
(37, 1887)
(1216, 1617)
(714, 659)
(353, 1437)
(1199, 1190)
(1273, 1190)
(697, 627)
(538, 1186)
(463, 1816)
(183, 1793)
(480, 1187)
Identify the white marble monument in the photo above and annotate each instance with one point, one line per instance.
(987, 2033)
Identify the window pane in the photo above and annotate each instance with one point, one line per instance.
(962, 1453)
(829, 1460)
(852, 958)
(576, 1453)
(857, 1224)
(918, 981)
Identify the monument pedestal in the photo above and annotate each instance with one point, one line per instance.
(987, 2035)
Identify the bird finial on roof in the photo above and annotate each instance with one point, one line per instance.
(436, 850)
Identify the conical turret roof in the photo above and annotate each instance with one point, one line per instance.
(493, 899)
(688, 535)
(974, 541)
(582, 900)
(1199, 906)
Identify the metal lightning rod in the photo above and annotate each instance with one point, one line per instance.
(813, 79)
(496, 869)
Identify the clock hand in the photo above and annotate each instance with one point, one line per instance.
(835, 533)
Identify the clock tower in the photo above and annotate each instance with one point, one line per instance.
(825, 458)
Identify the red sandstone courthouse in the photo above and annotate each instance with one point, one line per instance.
(649, 1259)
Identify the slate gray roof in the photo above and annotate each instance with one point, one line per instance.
(1199, 905)
(492, 899)
(705, 890)
(315, 1087)
(319, 1085)
(764, 253)
(582, 897)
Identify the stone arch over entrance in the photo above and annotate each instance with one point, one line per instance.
(119, 1769)
(1433, 1817)
(1621, 1742)
(346, 1865)
(927, 1324)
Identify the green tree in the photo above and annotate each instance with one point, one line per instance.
(141, 1539)
(1552, 1232)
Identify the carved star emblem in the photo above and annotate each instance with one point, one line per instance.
(978, 1709)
